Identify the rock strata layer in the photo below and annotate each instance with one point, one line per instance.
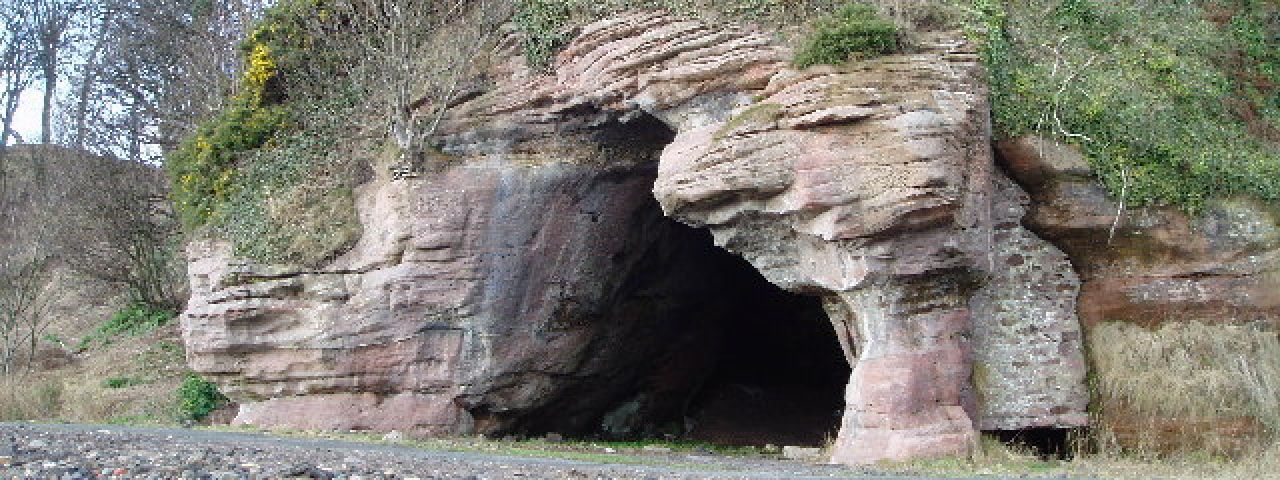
(498, 292)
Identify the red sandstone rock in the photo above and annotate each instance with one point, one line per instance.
(1153, 264)
(489, 295)
(1153, 267)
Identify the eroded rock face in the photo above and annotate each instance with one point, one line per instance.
(1154, 267)
(478, 296)
(1153, 263)
(1028, 365)
(497, 291)
(873, 186)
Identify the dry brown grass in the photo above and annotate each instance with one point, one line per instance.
(995, 458)
(79, 392)
(30, 398)
(1210, 387)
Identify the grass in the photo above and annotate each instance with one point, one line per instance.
(854, 32)
(624, 453)
(133, 320)
(131, 380)
(1199, 374)
(122, 382)
(996, 459)
(24, 398)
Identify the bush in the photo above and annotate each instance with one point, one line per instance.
(198, 397)
(205, 167)
(121, 382)
(270, 173)
(542, 25)
(856, 31)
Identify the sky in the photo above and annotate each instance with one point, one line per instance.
(27, 120)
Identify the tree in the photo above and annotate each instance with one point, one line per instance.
(17, 59)
(407, 58)
(151, 71)
(51, 21)
(125, 233)
(23, 308)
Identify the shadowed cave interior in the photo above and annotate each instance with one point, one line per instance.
(717, 354)
(704, 348)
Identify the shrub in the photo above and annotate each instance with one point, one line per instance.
(542, 25)
(121, 382)
(204, 168)
(133, 320)
(280, 140)
(855, 31)
(198, 397)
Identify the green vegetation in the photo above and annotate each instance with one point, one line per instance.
(855, 31)
(264, 174)
(1173, 102)
(134, 320)
(198, 397)
(543, 24)
(122, 382)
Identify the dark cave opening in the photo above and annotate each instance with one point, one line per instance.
(749, 364)
(779, 373)
(700, 346)
(1047, 443)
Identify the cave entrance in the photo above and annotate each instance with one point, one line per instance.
(778, 375)
(741, 361)
(696, 344)
(747, 363)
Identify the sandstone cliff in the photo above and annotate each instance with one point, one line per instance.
(536, 281)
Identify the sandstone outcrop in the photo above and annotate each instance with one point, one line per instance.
(1156, 268)
(532, 284)
(1151, 264)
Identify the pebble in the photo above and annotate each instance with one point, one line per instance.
(72, 454)
(801, 453)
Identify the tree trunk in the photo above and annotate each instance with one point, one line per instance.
(50, 91)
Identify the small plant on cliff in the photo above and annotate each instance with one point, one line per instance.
(198, 397)
(855, 31)
(133, 320)
(542, 25)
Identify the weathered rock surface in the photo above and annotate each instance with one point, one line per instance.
(873, 187)
(1152, 264)
(1154, 267)
(1028, 365)
(531, 284)
(476, 294)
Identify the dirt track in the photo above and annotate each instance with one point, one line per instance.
(62, 451)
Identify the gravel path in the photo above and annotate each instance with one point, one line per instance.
(58, 451)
